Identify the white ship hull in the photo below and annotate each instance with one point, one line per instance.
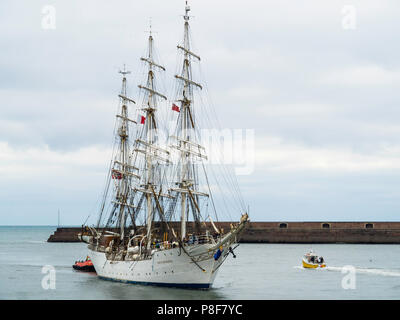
(171, 268)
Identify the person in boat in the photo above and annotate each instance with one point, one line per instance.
(312, 259)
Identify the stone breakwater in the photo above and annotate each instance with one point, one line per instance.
(290, 232)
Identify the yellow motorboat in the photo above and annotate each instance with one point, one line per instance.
(312, 261)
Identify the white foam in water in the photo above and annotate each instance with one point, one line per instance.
(381, 272)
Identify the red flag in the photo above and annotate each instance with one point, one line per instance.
(141, 119)
(175, 107)
(116, 175)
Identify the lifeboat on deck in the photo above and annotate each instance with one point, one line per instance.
(312, 261)
(86, 265)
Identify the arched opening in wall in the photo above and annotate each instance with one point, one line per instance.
(369, 225)
(326, 225)
(283, 225)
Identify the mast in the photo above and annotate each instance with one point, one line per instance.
(187, 177)
(122, 159)
(185, 106)
(148, 140)
(121, 171)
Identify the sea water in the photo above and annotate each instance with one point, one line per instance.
(260, 271)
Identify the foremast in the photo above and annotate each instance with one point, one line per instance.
(190, 150)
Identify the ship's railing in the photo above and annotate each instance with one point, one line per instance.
(191, 240)
(199, 239)
(165, 245)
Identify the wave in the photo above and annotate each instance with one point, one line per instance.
(373, 271)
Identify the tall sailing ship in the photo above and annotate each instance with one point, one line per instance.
(151, 227)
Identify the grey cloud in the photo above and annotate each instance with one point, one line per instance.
(265, 63)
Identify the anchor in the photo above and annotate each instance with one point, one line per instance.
(230, 250)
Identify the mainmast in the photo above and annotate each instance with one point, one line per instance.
(187, 179)
(151, 182)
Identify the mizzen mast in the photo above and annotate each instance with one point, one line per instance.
(122, 171)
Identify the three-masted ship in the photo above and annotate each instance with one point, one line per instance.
(151, 229)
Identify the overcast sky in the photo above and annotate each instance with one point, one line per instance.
(317, 81)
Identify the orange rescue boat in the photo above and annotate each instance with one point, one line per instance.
(86, 265)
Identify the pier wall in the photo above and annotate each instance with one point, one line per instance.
(291, 232)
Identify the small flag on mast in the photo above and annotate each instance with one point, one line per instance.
(141, 119)
(116, 175)
(175, 108)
